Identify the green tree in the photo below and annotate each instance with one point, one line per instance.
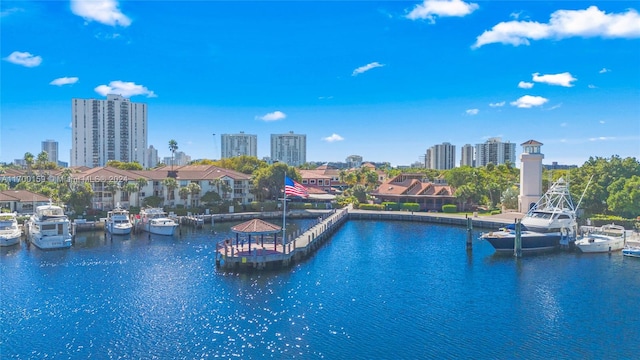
(624, 197)
(28, 159)
(112, 187)
(194, 191)
(130, 188)
(173, 146)
(184, 192)
(41, 161)
(509, 198)
(210, 198)
(80, 198)
(133, 165)
(268, 182)
(141, 183)
(170, 184)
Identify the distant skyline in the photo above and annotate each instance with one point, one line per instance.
(384, 80)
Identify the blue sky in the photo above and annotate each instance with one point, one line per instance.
(385, 80)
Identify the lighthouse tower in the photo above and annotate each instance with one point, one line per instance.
(530, 175)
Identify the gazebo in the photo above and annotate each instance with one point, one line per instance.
(257, 227)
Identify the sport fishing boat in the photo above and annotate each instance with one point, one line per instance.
(9, 231)
(49, 228)
(118, 222)
(550, 223)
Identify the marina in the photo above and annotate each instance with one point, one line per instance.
(380, 289)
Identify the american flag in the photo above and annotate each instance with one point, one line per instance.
(291, 187)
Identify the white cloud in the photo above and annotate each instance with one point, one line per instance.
(102, 11)
(64, 81)
(564, 79)
(333, 137)
(272, 116)
(525, 85)
(601, 121)
(126, 89)
(555, 107)
(604, 70)
(472, 111)
(591, 86)
(429, 9)
(591, 22)
(498, 104)
(367, 67)
(24, 59)
(602, 138)
(529, 101)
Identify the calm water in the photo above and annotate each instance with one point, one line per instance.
(375, 291)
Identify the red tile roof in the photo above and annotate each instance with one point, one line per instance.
(256, 226)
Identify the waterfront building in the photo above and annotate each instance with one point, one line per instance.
(530, 175)
(354, 161)
(466, 155)
(495, 151)
(441, 157)
(21, 201)
(414, 188)
(232, 145)
(109, 185)
(151, 157)
(179, 159)
(111, 129)
(51, 147)
(290, 148)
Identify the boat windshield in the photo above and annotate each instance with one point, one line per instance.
(7, 225)
(541, 215)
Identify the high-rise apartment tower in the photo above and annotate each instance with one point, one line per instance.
(111, 129)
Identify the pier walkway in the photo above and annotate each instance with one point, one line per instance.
(262, 254)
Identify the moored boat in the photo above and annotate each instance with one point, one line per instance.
(49, 228)
(550, 223)
(155, 221)
(118, 222)
(9, 231)
(631, 251)
(607, 238)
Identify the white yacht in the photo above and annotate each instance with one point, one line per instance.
(118, 222)
(607, 238)
(156, 221)
(9, 231)
(49, 228)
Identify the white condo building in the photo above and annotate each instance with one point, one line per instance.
(290, 148)
(233, 145)
(496, 152)
(466, 155)
(151, 157)
(111, 129)
(441, 157)
(51, 147)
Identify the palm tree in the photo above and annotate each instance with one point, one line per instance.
(194, 189)
(226, 188)
(130, 188)
(28, 159)
(140, 182)
(170, 184)
(173, 146)
(184, 194)
(112, 187)
(41, 160)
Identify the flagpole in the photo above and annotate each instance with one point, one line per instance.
(284, 212)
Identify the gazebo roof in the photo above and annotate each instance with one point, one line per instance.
(256, 227)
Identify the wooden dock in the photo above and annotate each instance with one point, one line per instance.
(271, 255)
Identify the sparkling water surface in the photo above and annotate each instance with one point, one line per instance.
(376, 290)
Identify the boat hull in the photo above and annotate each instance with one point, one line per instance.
(591, 245)
(52, 242)
(10, 240)
(162, 230)
(631, 252)
(119, 230)
(530, 242)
